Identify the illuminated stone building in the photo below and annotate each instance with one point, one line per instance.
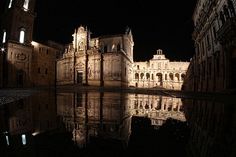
(23, 64)
(108, 61)
(102, 61)
(213, 67)
(159, 72)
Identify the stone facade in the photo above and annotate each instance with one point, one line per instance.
(212, 68)
(108, 61)
(159, 72)
(102, 61)
(43, 65)
(24, 63)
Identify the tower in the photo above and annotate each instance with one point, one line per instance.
(16, 37)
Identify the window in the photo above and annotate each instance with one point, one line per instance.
(10, 3)
(46, 71)
(142, 76)
(39, 70)
(22, 36)
(23, 139)
(166, 66)
(4, 37)
(159, 65)
(26, 5)
(7, 139)
(138, 67)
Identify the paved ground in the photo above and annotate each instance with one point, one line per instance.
(11, 95)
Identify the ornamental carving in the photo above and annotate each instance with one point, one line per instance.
(21, 57)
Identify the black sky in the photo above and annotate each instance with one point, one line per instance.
(165, 24)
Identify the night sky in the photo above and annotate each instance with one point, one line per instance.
(164, 24)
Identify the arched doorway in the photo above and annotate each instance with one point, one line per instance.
(79, 77)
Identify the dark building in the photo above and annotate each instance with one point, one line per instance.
(213, 67)
(19, 58)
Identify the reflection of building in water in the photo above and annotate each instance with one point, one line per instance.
(95, 114)
(212, 127)
(157, 108)
(108, 115)
(26, 118)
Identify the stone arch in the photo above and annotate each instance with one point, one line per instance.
(171, 76)
(147, 76)
(177, 76)
(136, 76)
(142, 75)
(159, 77)
(166, 78)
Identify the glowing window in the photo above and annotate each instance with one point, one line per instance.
(26, 5)
(22, 36)
(10, 3)
(4, 37)
(23, 139)
(7, 139)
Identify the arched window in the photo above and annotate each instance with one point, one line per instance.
(22, 35)
(147, 76)
(136, 76)
(26, 5)
(23, 139)
(10, 3)
(182, 76)
(4, 36)
(142, 75)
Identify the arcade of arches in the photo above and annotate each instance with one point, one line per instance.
(159, 72)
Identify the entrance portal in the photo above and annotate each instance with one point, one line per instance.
(79, 78)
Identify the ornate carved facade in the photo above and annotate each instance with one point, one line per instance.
(212, 68)
(108, 61)
(102, 61)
